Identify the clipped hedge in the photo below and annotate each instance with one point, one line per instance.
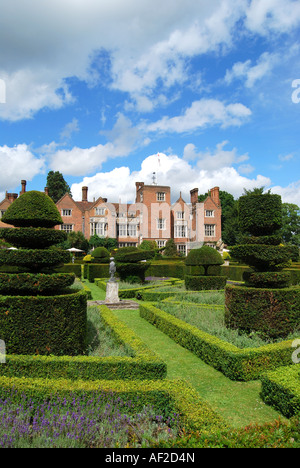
(260, 215)
(44, 324)
(33, 238)
(167, 397)
(96, 271)
(236, 364)
(135, 291)
(28, 283)
(199, 283)
(34, 259)
(274, 312)
(142, 364)
(281, 389)
(166, 269)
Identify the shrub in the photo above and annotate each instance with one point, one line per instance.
(32, 238)
(100, 255)
(198, 283)
(28, 283)
(273, 312)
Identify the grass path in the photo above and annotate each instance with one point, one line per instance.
(238, 402)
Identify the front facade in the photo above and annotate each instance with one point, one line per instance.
(151, 217)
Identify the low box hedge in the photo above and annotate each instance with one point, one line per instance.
(166, 396)
(134, 291)
(142, 364)
(199, 283)
(166, 269)
(237, 364)
(281, 389)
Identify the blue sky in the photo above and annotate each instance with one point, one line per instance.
(98, 89)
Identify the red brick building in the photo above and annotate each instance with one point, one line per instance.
(151, 217)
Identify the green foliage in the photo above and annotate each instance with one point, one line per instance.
(267, 279)
(198, 283)
(57, 186)
(204, 256)
(107, 242)
(100, 255)
(76, 239)
(281, 389)
(170, 249)
(263, 257)
(33, 238)
(260, 215)
(148, 245)
(236, 364)
(44, 324)
(273, 312)
(32, 209)
(291, 224)
(34, 260)
(33, 284)
(141, 364)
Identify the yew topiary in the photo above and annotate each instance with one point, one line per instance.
(203, 269)
(25, 325)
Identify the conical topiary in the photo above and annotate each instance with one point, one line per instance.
(38, 313)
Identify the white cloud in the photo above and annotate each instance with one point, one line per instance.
(170, 170)
(76, 161)
(289, 194)
(69, 129)
(279, 16)
(149, 45)
(252, 73)
(18, 163)
(203, 113)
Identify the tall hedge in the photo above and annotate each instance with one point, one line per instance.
(265, 303)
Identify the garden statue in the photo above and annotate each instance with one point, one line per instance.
(112, 270)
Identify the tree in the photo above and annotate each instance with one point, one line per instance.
(57, 186)
(107, 242)
(170, 249)
(291, 223)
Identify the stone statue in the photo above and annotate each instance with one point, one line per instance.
(112, 270)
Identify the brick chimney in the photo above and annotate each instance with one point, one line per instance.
(23, 184)
(46, 190)
(84, 193)
(194, 196)
(215, 195)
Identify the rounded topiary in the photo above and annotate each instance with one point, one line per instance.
(32, 209)
(205, 256)
(100, 255)
(203, 269)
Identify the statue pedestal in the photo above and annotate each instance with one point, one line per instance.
(112, 292)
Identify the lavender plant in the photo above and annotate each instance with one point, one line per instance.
(81, 422)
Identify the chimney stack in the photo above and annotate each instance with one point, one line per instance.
(46, 191)
(215, 195)
(84, 193)
(23, 190)
(194, 196)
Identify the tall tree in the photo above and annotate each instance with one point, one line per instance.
(57, 186)
(291, 223)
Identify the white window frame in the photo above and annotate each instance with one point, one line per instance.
(132, 230)
(161, 224)
(100, 211)
(180, 231)
(182, 248)
(161, 196)
(161, 243)
(66, 212)
(180, 214)
(209, 213)
(122, 230)
(67, 228)
(210, 230)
